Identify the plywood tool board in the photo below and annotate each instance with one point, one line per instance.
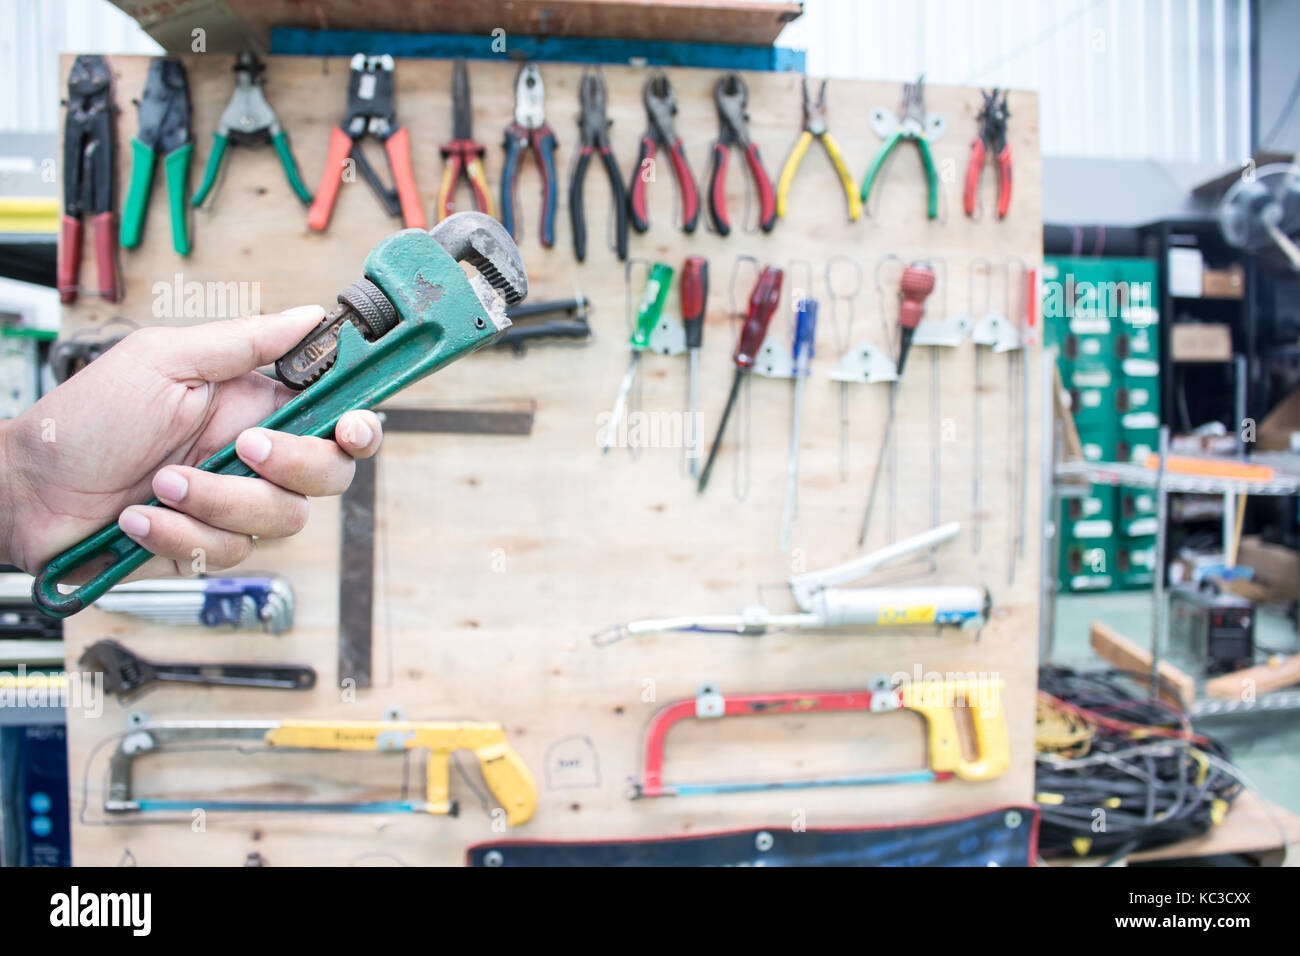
(498, 557)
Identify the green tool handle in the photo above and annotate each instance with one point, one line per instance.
(177, 165)
(931, 178)
(281, 142)
(137, 194)
(653, 296)
(315, 411)
(214, 166)
(870, 179)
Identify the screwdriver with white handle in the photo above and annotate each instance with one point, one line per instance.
(805, 334)
(762, 305)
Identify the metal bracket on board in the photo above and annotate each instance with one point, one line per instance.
(865, 364)
(996, 331)
(974, 748)
(946, 333)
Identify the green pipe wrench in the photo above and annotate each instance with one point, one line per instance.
(248, 120)
(415, 311)
(914, 125)
(164, 128)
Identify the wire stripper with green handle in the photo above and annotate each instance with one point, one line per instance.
(653, 296)
(249, 121)
(415, 311)
(164, 128)
(914, 125)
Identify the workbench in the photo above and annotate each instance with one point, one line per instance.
(497, 557)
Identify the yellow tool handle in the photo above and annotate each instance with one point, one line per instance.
(850, 190)
(788, 170)
(936, 701)
(506, 774)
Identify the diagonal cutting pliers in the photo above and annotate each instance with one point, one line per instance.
(371, 112)
(990, 143)
(913, 125)
(594, 127)
(814, 127)
(248, 120)
(165, 129)
(529, 131)
(661, 108)
(88, 147)
(732, 98)
(462, 156)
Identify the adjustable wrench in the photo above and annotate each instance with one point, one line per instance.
(126, 672)
(414, 312)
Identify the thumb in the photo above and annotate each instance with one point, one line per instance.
(217, 351)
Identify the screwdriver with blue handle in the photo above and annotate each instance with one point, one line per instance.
(651, 306)
(762, 305)
(805, 335)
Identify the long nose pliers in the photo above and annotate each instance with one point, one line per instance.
(661, 108)
(732, 98)
(88, 178)
(371, 112)
(529, 131)
(914, 125)
(248, 120)
(990, 143)
(462, 156)
(595, 139)
(814, 127)
(164, 128)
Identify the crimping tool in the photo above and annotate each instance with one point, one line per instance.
(165, 129)
(88, 164)
(371, 111)
(414, 312)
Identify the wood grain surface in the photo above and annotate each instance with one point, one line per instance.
(498, 557)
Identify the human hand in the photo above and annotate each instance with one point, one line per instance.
(134, 423)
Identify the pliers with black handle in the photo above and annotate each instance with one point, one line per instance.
(529, 131)
(88, 147)
(371, 112)
(990, 143)
(594, 127)
(661, 108)
(814, 127)
(165, 129)
(732, 98)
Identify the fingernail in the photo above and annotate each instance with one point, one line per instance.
(170, 485)
(253, 446)
(134, 524)
(356, 432)
(302, 311)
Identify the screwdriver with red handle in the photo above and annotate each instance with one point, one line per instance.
(695, 298)
(762, 304)
(914, 288)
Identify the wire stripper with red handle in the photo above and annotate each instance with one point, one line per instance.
(88, 148)
(991, 143)
(370, 112)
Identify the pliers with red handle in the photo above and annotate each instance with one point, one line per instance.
(88, 147)
(463, 155)
(732, 97)
(370, 112)
(660, 108)
(990, 143)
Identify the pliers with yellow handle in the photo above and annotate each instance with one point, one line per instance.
(814, 127)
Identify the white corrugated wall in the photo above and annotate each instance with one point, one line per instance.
(1125, 79)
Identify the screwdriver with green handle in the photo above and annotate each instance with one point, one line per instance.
(762, 304)
(164, 128)
(653, 295)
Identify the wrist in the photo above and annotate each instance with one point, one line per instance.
(8, 512)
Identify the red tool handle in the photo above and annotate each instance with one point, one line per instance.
(914, 288)
(641, 173)
(762, 305)
(695, 297)
(318, 216)
(973, 168)
(686, 182)
(766, 196)
(69, 259)
(398, 147)
(450, 179)
(105, 228)
(1004, 181)
(718, 189)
